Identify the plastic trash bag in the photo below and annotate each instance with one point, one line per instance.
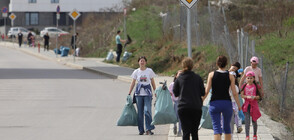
(126, 56)
(241, 104)
(109, 56)
(129, 41)
(206, 121)
(164, 110)
(129, 116)
(64, 51)
(57, 51)
(241, 115)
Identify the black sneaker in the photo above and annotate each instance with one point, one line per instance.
(149, 132)
(239, 129)
(141, 133)
(175, 130)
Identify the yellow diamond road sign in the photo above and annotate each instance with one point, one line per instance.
(74, 14)
(12, 16)
(189, 3)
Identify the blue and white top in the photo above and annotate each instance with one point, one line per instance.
(117, 39)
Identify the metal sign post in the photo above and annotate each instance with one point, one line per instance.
(74, 15)
(57, 19)
(189, 4)
(12, 16)
(125, 24)
(189, 33)
(4, 14)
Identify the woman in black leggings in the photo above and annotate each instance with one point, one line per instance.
(189, 88)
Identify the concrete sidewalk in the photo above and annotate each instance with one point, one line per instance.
(90, 64)
(123, 73)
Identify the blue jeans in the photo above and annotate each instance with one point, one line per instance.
(144, 108)
(217, 108)
(176, 110)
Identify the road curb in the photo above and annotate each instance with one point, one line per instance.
(101, 72)
(36, 54)
(72, 65)
(124, 78)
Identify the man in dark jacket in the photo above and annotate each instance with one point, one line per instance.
(189, 88)
(19, 36)
(29, 38)
(119, 46)
(46, 41)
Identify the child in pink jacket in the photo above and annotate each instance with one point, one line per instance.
(250, 92)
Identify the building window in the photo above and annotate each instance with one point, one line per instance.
(62, 20)
(54, 1)
(32, 1)
(32, 18)
(27, 18)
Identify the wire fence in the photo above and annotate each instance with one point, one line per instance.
(279, 93)
(209, 27)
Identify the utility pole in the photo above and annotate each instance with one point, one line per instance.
(57, 19)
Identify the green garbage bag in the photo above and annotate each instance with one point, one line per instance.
(164, 110)
(129, 115)
(206, 121)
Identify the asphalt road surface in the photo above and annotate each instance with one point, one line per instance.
(43, 100)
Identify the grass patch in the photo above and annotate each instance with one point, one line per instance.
(278, 50)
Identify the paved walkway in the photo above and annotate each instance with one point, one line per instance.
(123, 73)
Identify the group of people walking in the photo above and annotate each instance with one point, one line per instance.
(30, 39)
(188, 93)
(46, 38)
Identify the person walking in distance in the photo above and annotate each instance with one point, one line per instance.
(46, 41)
(2, 36)
(29, 38)
(257, 71)
(189, 87)
(119, 46)
(74, 43)
(176, 102)
(78, 51)
(20, 37)
(33, 40)
(143, 95)
(220, 81)
(235, 118)
(250, 92)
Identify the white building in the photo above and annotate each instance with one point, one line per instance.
(65, 5)
(37, 14)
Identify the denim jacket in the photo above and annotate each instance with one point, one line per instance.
(147, 89)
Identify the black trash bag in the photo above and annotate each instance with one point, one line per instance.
(129, 41)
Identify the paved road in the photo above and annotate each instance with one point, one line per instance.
(116, 72)
(43, 100)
